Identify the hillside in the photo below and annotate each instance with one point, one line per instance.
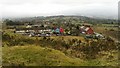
(36, 56)
(57, 51)
(72, 48)
(58, 19)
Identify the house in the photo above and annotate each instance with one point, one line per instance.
(86, 30)
(89, 30)
(61, 30)
(57, 30)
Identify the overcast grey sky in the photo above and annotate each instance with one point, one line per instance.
(21, 8)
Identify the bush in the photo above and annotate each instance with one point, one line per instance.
(86, 51)
(112, 30)
(13, 39)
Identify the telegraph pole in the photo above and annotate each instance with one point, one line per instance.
(36, 31)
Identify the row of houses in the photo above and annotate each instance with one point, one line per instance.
(39, 32)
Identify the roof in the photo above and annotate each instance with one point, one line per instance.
(86, 29)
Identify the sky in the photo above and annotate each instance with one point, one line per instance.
(28, 8)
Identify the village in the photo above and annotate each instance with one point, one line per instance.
(84, 30)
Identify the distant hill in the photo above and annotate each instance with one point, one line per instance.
(62, 18)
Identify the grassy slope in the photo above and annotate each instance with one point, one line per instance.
(39, 56)
(35, 56)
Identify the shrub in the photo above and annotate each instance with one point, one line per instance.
(13, 40)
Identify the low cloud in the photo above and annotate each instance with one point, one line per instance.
(18, 8)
